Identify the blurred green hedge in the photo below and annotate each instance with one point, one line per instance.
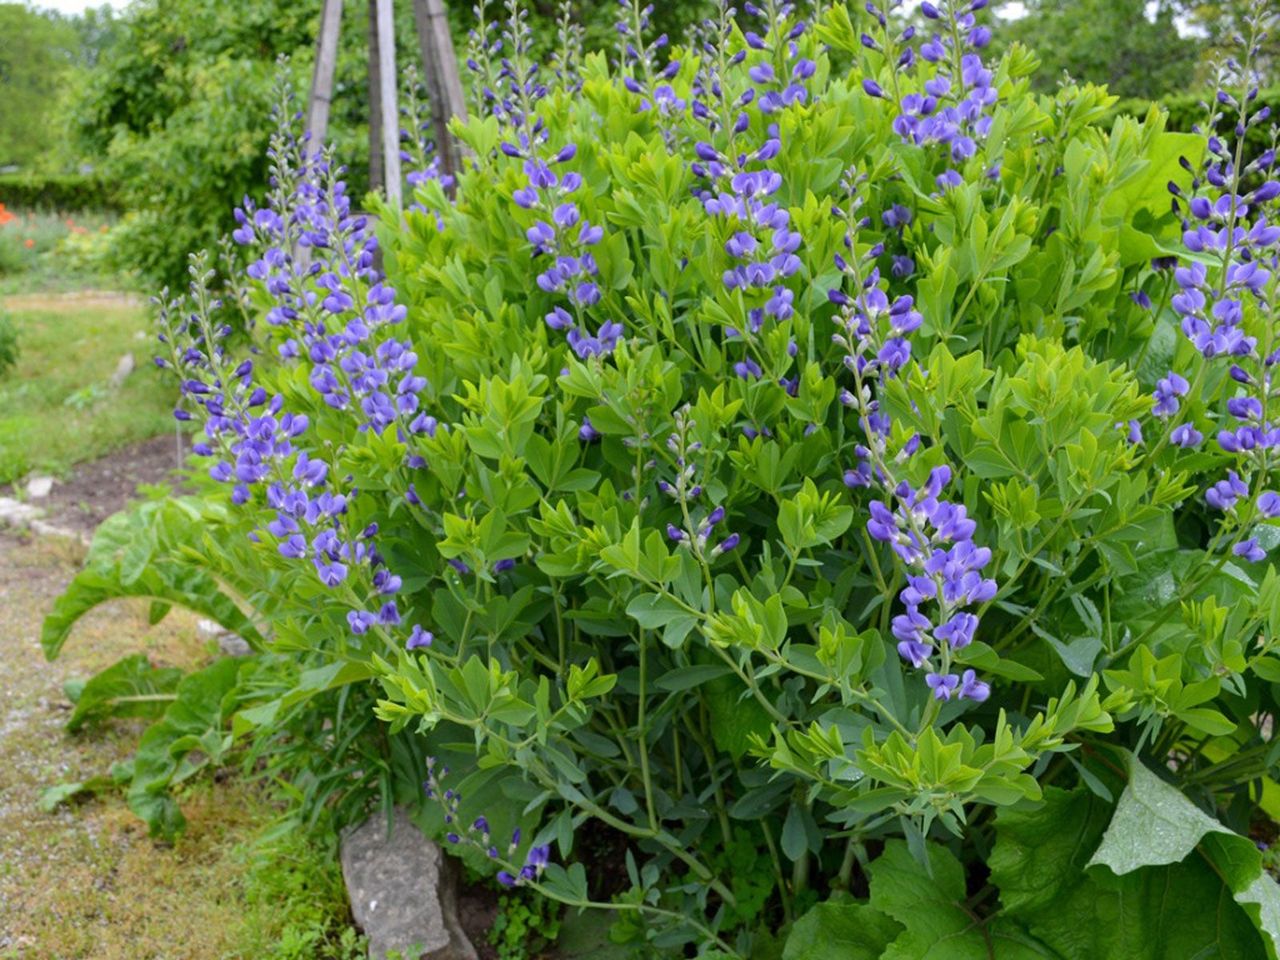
(58, 191)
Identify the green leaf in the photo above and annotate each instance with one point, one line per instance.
(1154, 825)
(52, 797)
(652, 610)
(686, 678)
(167, 582)
(734, 720)
(1077, 655)
(938, 925)
(193, 724)
(794, 843)
(841, 931)
(129, 688)
(1038, 863)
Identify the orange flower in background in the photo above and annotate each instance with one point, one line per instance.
(28, 243)
(5, 215)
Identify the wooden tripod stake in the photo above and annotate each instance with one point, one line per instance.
(440, 73)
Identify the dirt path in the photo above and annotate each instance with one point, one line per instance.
(94, 491)
(87, 882)
(80, 298)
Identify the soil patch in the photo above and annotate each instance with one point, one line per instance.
(94, 491)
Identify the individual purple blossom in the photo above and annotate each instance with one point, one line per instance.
(971, 688)
(361, 621)
(1249, 550)
(1269, 504)
(1168, 389)
(1224, 494)
(419, 638)
(943, 685)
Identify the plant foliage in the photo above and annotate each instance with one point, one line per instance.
(767, 491)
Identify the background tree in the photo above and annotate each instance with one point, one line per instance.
(1218, 22)
(1132, 46)
(38, 52)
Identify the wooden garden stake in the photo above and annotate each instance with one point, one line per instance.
(390, 111)
(440, 73)
(322, 76)
(377, 173)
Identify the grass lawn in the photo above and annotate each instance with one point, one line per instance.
(57, 405)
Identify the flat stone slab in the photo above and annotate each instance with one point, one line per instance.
(401, 891)
(15, 513)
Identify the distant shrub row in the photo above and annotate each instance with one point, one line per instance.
(71, 191)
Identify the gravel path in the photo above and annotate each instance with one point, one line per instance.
(87, 882)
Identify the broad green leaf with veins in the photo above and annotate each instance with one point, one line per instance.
(1039, 864)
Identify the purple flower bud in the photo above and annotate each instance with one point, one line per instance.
(729, 543)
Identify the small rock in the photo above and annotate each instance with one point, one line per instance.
(232, 645)
(15, 513)
(209, 629)
(124, 367)
(39, 487)
(401, 891)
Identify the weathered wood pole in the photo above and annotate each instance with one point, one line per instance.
(377, 173)
(322, 75)
(444, 84)
(389, 110)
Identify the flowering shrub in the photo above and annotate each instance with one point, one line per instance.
(777, 468)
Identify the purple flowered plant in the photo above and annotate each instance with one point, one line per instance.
(1227, 297)
(477, 833)
(953, 107)
(316, 263)
(931, 537)
(641, 72)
